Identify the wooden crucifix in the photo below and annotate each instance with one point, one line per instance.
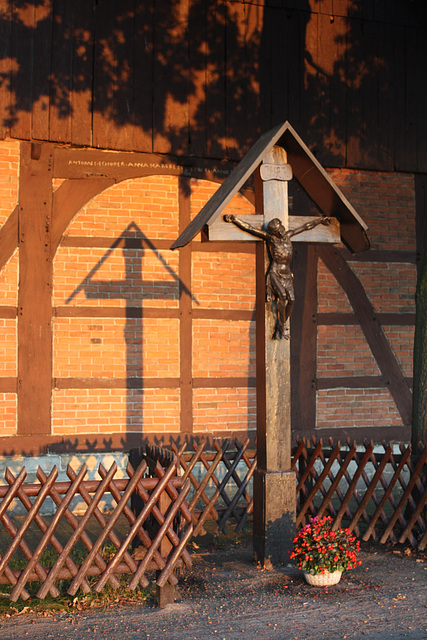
(274, 481)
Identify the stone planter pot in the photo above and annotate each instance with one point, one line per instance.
(323, 579)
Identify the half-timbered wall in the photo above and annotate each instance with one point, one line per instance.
(131, 340)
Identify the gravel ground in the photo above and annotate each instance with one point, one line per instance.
(227, 597)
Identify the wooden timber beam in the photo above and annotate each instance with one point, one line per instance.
(35, 290)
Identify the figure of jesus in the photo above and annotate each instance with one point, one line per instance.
(279, 279)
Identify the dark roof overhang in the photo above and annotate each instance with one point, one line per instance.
(306, 170)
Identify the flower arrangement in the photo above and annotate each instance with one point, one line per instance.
(318, 549)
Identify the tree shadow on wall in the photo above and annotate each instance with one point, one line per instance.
(205, 79)
(134, 289)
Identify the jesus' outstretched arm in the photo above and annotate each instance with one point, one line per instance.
(246, 226)
(309, 225)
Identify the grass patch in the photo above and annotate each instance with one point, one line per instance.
(63, 603)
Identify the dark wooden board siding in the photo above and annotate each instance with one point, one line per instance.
(41, 81)
(325, 6)
(341, 7)
(5, 64)
(253, 37)
(236, 77)
(331, 48)
(388, 91)
(399, 97)
(81, 126)
(355, 98)
(105, 72)
(269, 69)
(122, 99)
(62, 90)
(310, 83)
(412, 79)
(215, 85)
(281, 82)
(21, 79)
(171, 81)
(371, 117)
(143, 76)
(205, 78)
(198, 60)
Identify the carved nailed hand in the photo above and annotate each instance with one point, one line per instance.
(229, 217)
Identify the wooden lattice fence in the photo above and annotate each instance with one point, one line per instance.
(158, 532)
(220, 480)
(228, 471)
(379, 493)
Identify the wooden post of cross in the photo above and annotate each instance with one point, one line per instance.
(274, 480)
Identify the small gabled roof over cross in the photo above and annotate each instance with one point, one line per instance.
(306, 170)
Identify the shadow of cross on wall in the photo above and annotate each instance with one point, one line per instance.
(134, 289)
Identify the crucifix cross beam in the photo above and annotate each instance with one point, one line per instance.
(222, 231)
